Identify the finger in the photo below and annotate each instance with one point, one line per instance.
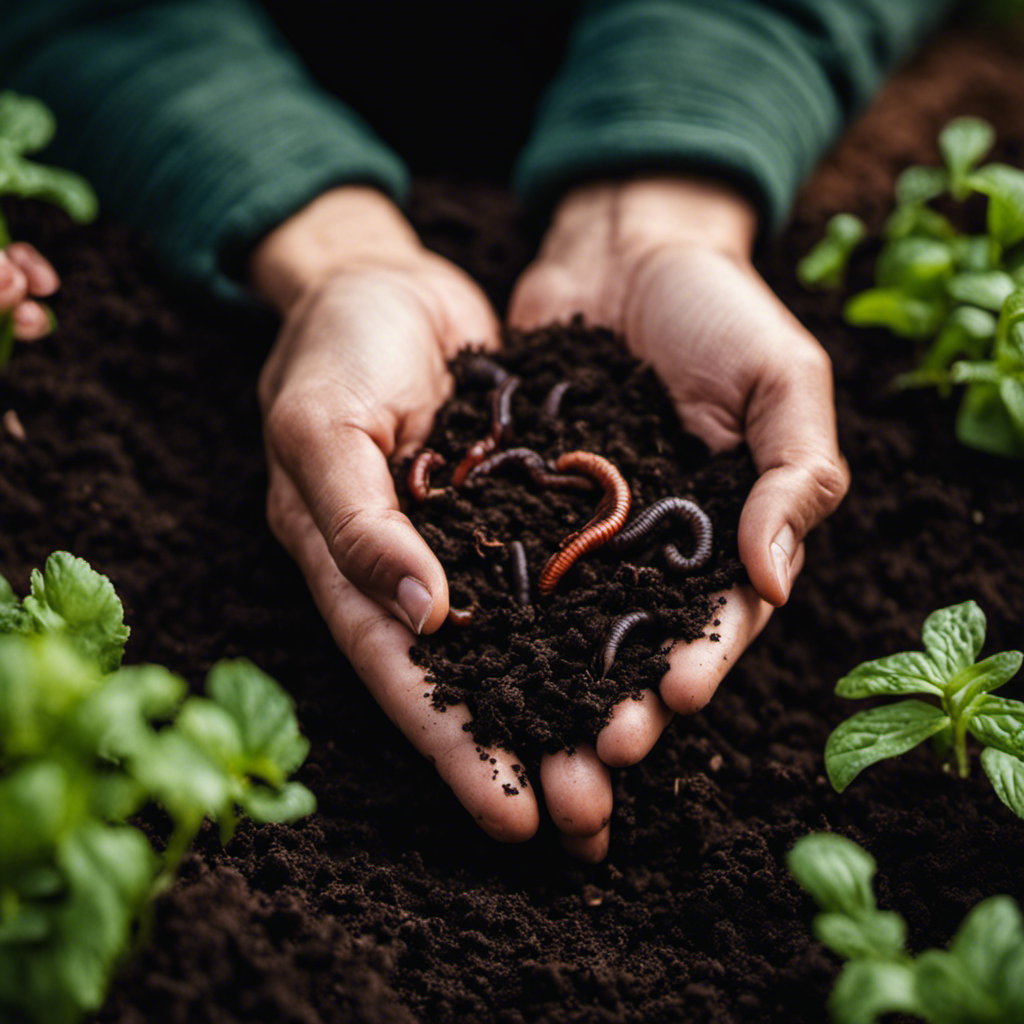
(634, 728)
(696, 669)
(791, 431)
(343, 477)
(484, 781)
(31, 321)
(13, 285)
(591, 849)
(577, 790)
(39, 274)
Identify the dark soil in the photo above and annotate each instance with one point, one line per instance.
(142, 454)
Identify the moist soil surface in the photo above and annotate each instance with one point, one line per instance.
(142, 453)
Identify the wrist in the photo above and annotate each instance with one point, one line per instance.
(348, 226)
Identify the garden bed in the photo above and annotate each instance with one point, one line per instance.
(142, 454)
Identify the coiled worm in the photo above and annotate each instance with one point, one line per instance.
(419, 475)
(540, 471)
(682, 509)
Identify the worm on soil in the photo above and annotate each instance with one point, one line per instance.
(607, 521)
(553, 402)
(476, 454)
(419, 475)
(520, 573)
(540, 471)
(501, 408)
(617, 632)
(682, 509)
(462, 616)
(486, 369)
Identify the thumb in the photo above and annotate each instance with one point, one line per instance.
(791, 431)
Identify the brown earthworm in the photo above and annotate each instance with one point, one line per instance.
(419, 475)
(484, 368)
(476, 454)
(607, 521)
(679, 508)
(462, 616)
(617, 633)
(539, 470)
(501, 426)
(553, 402)
(520, 573)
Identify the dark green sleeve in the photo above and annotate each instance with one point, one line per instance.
(192, 119)
(750, 91)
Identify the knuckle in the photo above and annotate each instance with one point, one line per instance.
(298, 417)
(828, 481)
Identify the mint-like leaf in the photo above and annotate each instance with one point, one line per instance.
(898, 674)
(289, 803)
(991, 932)
(836, 872)
(879, 935)
(953, 636)
(1006, 773)
(999, 723)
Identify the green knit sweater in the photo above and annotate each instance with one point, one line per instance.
(197, 124)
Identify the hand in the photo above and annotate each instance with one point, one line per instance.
(24, 276)
(666, 262)
(370, 320)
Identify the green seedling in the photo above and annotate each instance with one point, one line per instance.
(944, 290)
(85, 744)
(958, 701)
(976, 980)
(26, 126)
(825, 265)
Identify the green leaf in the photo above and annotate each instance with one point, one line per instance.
(920, 184)
(953, 637)
(835, 871)
(70, 597)
(963, 142)
(867, 989)
(895, 675)
(877, 734)
(1004, 186)
(49, 184)
(824, 266)
(983, 422)
(38, 796)
(949, 993)
(923, 222)
(7, 595)
(967, 686)
(915, 266)
(988, 289)
(984, 372)
(903, 314)
(999, 723)
(213, 730)
(1011, 391)
(26, 124)
(968, 332)
(265, 716)
(880, 935)
(290, 802)
(1006, 773)
(991, 932)
(972, 252)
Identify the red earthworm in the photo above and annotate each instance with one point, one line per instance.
(607, 521)
(539, 470)
(484, 368)
(520, 573)
(680, 508)
(617, 633)
(462, 616)
(553, 402)
(476, 454)
(419, 475)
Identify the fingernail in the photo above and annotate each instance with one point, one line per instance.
(415, 601)
(783, 547)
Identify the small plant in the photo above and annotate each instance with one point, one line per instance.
(84, 745)
(959, 689)
(958, 295)
(977, 980)
(26, 126)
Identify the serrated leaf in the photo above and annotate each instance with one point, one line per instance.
(866, 990)
(835, 871)
(264, 713)
(992, 931)
(903, 314)
(988, 289)
(1006, 773)
(896, 674)
(71, 598)
(953, 637)
(1004, 186)
(963, 142)
(879, 935)
(290, 802)
(877, 734)
(999, 723)
(26, 124)
(949, 993)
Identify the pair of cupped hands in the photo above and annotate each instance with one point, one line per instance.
(371, 319)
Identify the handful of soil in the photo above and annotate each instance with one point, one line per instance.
(532, 673)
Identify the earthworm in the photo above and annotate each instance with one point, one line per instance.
(476, 454)
(520, 573)
(501, 425)
(486, 369)
(553, 402)
(617, 633)
(607, 521)
(462, 616)
(419, 475)
(540, 471)
(680, 508)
